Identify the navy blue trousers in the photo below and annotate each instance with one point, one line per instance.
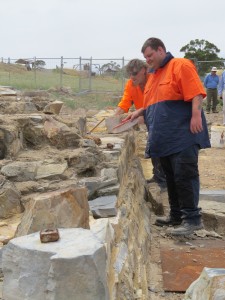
(182, 177)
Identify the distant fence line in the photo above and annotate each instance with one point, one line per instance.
(80, 74)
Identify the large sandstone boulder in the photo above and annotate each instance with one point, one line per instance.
(63, 208)
(10, 203)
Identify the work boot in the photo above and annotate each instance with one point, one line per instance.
(151, 180)
(185, 229)
(168, 221)
(161, 184)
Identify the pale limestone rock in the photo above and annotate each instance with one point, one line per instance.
(60, 135)
(109, 173)
(110, 190)
(111, 154)
(103, 229)
(95, 184)
(50, 170)
(53, 127)
(74, 267)
(11, 137)
(7, 91)
(20, 171)
(33, 134)
(9, 200)
(209, 286)
(84, 159)
(103, 207)
(53, 107)
(63, 208)
(87, 143)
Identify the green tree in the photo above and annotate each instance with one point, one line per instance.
(204, 54)
(112, 67)
(38, 64)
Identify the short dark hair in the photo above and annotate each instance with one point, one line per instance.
(136, 64)
(154, 43)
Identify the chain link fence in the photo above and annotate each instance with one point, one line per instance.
(79, 74)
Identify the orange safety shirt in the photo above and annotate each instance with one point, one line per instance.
(168, 107)
(132, 95)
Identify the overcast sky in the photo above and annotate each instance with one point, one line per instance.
(106, 28)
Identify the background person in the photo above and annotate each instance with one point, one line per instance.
(211, 82)
(177, 130)
(134, 94)
(221, 92)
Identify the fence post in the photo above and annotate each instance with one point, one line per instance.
(80, 74)
(61, 72)
(35, 74)
(90, 71)
(9, 70)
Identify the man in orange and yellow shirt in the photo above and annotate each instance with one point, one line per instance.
(176, 123)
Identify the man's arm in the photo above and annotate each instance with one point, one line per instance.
(221, 85)
(126, 101)
(119, 111)
(196, 119)
(137, 113)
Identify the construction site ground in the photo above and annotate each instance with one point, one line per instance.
(212, 178)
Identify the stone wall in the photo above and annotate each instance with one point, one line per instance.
(128, 268)
(55, 171)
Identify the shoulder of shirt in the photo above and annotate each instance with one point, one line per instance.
(182, 61)
(129, 82)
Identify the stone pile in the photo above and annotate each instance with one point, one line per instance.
(62, 178)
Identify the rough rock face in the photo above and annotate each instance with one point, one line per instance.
(74, 267)
(59, 209)
(51, 154)
(9, 199)
(209, 285)
(128, 270)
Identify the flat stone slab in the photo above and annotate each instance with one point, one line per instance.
(6, 91)
(103, 207)
(213, 195)
(72, 267)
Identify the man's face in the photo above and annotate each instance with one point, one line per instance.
(138, 77)
(154, 58)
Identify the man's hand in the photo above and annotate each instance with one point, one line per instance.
(135, 114)
(196, 124)
(196, 119)
(221, 97)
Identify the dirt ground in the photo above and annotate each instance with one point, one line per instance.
(212, 177)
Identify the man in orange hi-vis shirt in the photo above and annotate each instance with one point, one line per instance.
(134, 95)
(177, 129)
(134, 89)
